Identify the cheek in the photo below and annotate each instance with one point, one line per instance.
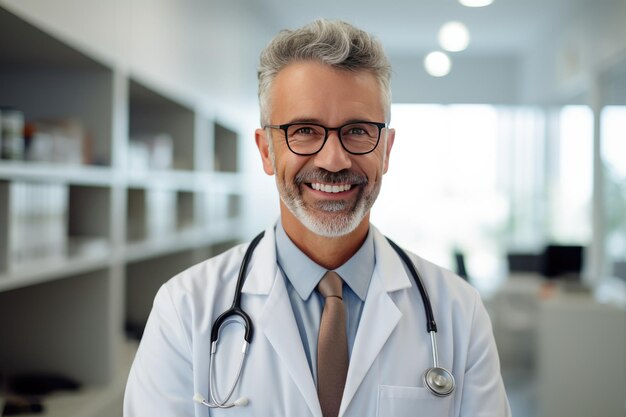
(288, 165)
(373, 167)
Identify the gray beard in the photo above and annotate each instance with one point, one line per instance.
(328, 218)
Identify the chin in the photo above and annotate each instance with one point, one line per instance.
(329, 224)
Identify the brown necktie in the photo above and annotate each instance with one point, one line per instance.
(332, 346)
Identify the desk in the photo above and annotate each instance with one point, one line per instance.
(581, 357)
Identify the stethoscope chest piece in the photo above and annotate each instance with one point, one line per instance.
(439, 381)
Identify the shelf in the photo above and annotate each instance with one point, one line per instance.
(60, 326)
(225, 153)
(186, 218)
(139, 183)
(143, 280)
(224, 182)
(169, 180)
(152, 115)
(52, 229)
(145, 276)
(186, 240)
(54, 270)
(39, 171)
(49, 81)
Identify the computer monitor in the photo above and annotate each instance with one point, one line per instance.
(563, 260)
(525, 262)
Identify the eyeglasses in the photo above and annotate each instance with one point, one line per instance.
(357, 138)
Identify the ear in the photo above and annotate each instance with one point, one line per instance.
(262, 142)
(391, 135)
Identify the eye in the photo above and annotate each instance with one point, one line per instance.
(304, 130)
(356, 131)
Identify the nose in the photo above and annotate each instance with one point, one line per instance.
(333, 157)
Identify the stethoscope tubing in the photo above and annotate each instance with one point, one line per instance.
(442, 386)
(235, 309)
(431, 325)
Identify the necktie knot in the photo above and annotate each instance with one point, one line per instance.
(330, 285)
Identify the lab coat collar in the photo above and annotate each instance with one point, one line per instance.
(393, 272)
(261, 272)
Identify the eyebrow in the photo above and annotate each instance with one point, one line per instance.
(319, 122)
(304, 120)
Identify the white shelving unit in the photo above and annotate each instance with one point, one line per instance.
(127, 230)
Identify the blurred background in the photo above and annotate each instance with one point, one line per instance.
(127, 154)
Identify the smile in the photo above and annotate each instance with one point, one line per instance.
(331, 188)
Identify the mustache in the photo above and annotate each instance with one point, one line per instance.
(344, 176)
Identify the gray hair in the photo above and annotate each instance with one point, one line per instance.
(334, 43)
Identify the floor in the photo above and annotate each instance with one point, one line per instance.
(521, 388)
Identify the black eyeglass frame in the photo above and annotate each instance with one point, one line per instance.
(286, 126)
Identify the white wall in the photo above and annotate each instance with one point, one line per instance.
(564, 62)
(473, 79)
(207, 49)
(211, 47)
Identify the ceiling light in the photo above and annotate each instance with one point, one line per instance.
(437, 64)
(475, 3)
(454, 36)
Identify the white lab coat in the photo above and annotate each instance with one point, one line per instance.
(391, 351)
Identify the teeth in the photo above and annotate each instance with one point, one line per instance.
(327, 188)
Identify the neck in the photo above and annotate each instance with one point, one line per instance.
(328, 252)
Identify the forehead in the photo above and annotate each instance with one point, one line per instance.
(317, 91)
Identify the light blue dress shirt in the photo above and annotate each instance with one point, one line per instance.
(302, 276)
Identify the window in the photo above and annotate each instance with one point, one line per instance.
(613, 126)
(571, 181)
(484, 180)
(442, 192)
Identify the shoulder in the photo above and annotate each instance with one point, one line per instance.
(458, 307)
(444, 281)
(214, 279)
(217, 271)
(447, 291)
(202, 287)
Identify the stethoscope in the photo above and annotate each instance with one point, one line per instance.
(438, 380)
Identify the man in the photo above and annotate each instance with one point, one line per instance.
(350, 342)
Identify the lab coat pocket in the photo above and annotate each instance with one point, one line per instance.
(394, 401)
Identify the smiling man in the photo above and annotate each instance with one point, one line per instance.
(337, 322)
(327, 178)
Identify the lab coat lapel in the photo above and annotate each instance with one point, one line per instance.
(277, 322)
(379, 318)
(280, 328)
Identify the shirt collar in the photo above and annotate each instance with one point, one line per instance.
(304, 274)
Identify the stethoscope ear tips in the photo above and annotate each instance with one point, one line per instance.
(199, 398)
(439, 381)
(241, 402)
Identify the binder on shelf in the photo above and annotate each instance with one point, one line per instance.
(152, 214)
(11, 133)
(146, 152)
(161, 213)
(59, 141)
(36, 219)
